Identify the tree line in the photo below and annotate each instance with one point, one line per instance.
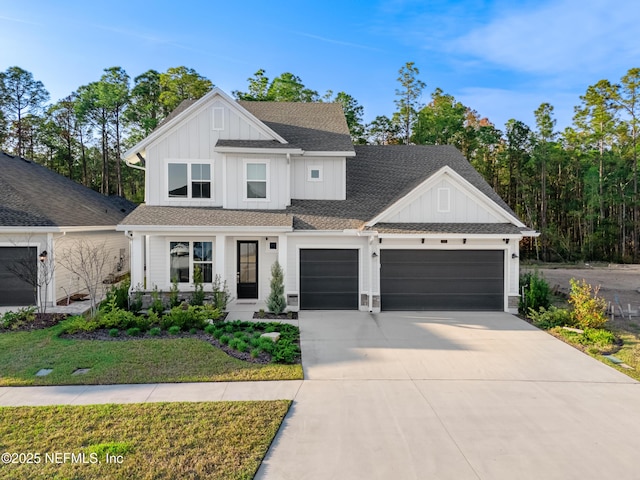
(578, 187)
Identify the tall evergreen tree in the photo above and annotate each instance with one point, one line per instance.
(408, 99)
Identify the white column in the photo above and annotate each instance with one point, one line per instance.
(282, 259)
(219, 263)
(136, 246)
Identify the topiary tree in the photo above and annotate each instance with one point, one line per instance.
(276, 302)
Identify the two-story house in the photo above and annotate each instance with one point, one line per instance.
(231, 187)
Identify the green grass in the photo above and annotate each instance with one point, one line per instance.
(22, 354)
(221, 440)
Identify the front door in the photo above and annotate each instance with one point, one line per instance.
(247, 269)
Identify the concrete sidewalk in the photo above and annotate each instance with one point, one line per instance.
(144, 393)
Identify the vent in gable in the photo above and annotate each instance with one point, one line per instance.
(217, 120)
(444, 200)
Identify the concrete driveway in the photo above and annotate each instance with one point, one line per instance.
(452, 396)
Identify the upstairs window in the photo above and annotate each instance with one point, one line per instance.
(189, 180)
(256, 180)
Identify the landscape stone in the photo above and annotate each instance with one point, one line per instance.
(44, 372)
(81, 371)
(274, 336)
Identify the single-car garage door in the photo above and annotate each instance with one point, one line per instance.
(442, 279)
(14, 289)
(329, 279)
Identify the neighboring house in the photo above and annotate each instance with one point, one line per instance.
(42, 211)
(231, 187)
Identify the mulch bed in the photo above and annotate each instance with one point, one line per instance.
(273, 316)
(42, 320)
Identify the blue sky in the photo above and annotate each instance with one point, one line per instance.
(501, 58)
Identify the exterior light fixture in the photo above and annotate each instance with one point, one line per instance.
(43, 256)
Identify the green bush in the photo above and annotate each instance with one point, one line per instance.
(155, 331)
(197, 298)
(285, 351)
(536, 293)
(78, 323)
(174, 330)
(233, 343)
(187, 317)
(118, 296)
(218, 332)
(266, 344)
(114, 332)
(210, 329)
(242, 346)
(553, 317)
(224, 339)
(588, 309)
(599, 337)
(221, 295)
(134, 332)
(276, 302)
(174, 293)
(135, 303)
(117, 318)
(255, 353)
(157, 305)
(13, 320)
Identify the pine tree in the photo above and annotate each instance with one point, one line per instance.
(276, 302)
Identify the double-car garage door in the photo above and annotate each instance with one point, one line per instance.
(409, 279)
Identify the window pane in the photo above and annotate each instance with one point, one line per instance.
(200, 171)
(315, 173)
(201, 189)
(256, 189)
(177, 180)
(202, 251)
(257, 171)
(179, 261)
(207, 271)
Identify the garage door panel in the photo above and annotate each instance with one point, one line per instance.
(442, 280)
(329, 279)
(13, 290)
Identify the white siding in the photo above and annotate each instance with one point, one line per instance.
(67, 283)
(462, 207)
(332, 186)
(195, 139)
(276, 184)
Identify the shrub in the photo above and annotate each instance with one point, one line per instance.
(217, 333)
(174, 293)
(255, 353)
(187, 317)
(242, 346)
(224, 339)
(135, 303)
(114, 332)
(276, 302)
(210, 329)
(266, 344)
(553, 317)
(157, 305)
(599, 337)
(233, 343)
(197, 298)
(134, 332)
(588, 309)
(536, 292)
(221, 295)
(193, 330)
(174, 330)
(78, 323)
(285, 351)
(12, 320)
(155, 331)
(261, 313)
(117, 318)
(118, 296)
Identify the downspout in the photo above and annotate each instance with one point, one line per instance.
(288, 179)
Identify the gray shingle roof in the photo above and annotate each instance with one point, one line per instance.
(314, 127)
(34, 196)
(207, 217)
(376, 178)
(254, 144)
(436, 228)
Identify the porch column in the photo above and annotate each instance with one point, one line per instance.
(219, 263)
(136, 247)
(282, 260)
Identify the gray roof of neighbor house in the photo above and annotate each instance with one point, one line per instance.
(376, 178)
(314, 127)
(34, 196)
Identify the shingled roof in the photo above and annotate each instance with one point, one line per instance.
(314, 127)
(377, 177)
(34, 196)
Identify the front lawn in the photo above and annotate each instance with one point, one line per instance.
(23, 354)
(221, 440)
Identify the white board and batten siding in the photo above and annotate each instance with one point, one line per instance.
(330, 186)
(277, 188)
(195, 139)
(444, 203)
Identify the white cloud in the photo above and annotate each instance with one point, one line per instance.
(558, 37)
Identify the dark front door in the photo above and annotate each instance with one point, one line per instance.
(247, 269)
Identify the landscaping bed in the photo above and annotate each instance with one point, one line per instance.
(27, 319)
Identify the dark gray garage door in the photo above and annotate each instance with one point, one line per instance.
(329, 279)
(442, 279)
(15, 291)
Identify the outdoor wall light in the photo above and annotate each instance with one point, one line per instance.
(43, 256)
(374, 255)
(514, 255)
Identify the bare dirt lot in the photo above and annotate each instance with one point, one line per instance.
(615, 281)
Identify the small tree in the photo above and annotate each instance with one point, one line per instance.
(221, 295)
(276, 302)
(197, 298)
(90, 262)
(588, 309)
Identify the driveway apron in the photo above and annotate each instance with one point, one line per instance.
(417, 395)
